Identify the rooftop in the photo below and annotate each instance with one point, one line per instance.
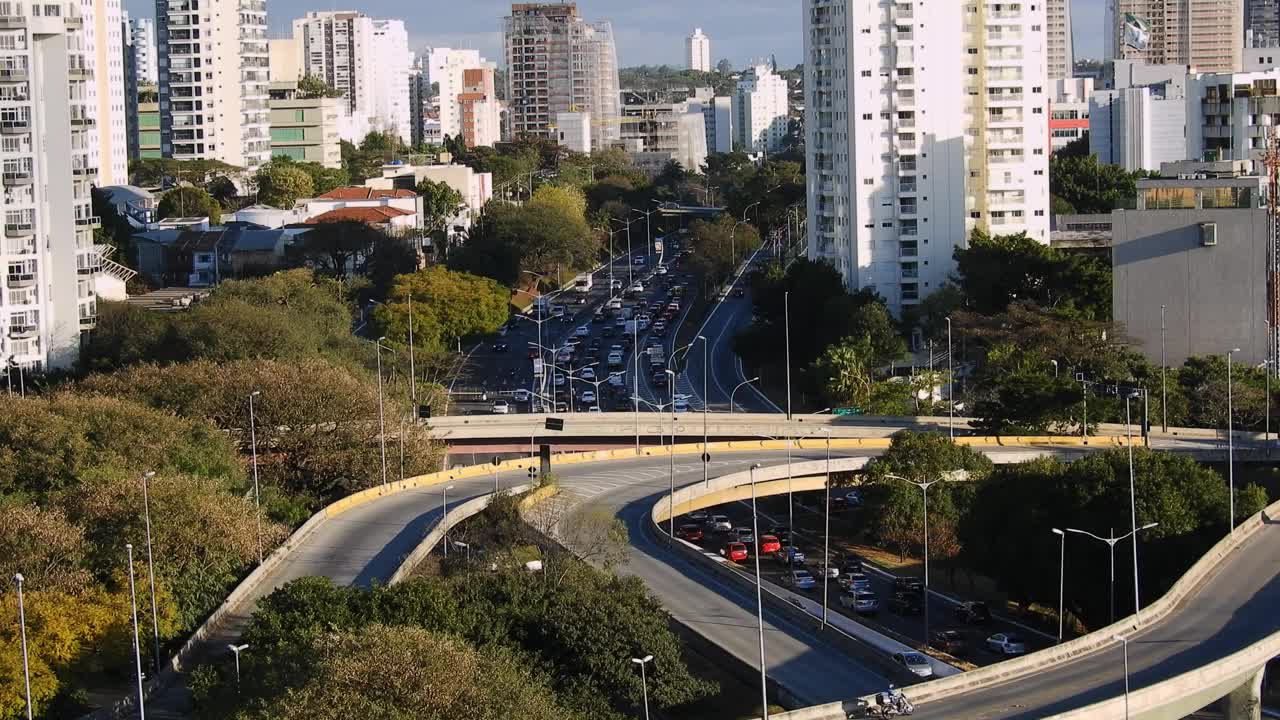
(364, 193)
(368, 215)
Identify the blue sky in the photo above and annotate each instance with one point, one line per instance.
(648, 31)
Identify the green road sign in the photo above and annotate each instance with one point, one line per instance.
(846, 411)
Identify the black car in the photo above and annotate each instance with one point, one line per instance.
(949, 641)
(908, 585)
(852, 563)
(974, 613)
(905, 604)
(500, 347)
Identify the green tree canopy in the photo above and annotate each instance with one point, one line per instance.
(446, 305)
(282, 184)
(313, 86)
(994, 271)
(440, 204)
(1090, 186)
(189, 201)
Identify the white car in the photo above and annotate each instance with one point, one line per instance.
(582, 331)
(637, 288)
(662, 270)
(1006, 644)
(615, 359)
(853, 498)
(587, 373)
(916, 662)
(745, 535)
(615, 285)
(799, 580)
(500, 407)
(681, 405)
(559, 381)
(521, 396)
(588, 397)
(863, 603)
(615, 304)
(720, 523)
(639, 260)
(557, 311)
(618, 380)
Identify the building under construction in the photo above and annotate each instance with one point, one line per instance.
(557, 62)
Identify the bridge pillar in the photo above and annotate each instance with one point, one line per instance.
(1245, 702)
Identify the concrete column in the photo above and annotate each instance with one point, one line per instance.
(1245, 702)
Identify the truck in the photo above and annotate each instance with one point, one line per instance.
(583, 283)
(657, 356)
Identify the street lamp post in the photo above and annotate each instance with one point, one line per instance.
(1133, 505)
(1164, 394)
(755, 533)
(951, 402)
(735, 391)
(786, 322)
(253, 447)
(648, 226)
(826, 531)
(413, 380)
(236, 650)
(382, 428)
(1111, 541)
(444, 518)
(1231, 460)
(151, 571)
(671, 457)
(1062, 564)
(22, 628)
(1125, 642)
(137, 652)
(924, 489)
(644, 681)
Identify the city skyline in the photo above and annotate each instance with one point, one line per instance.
(748, 30)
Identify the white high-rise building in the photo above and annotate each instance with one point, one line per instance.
(1061, 50)
(214, 66)
(698, 51)
(760, 110)
(445, 67)
(366, 59)
(143, 33)
(52, 270)
(916, 135)
(104, 46)
(557, 62)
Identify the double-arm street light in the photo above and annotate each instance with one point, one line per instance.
(755, 533)
(630, 260)
(924, 485)
(644, 681)
(648, 226)
(22, 628)
(705, 457)
(735, 390)
(151, 568)
(1111, 541)
(137, 651)
(236, 650)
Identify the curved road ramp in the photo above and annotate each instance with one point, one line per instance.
(1208, 638)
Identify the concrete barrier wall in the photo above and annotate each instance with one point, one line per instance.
(1153, 613)
(456, 515)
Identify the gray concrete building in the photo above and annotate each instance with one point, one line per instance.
(1199, 248)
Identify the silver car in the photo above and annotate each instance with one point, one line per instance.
(799, 579)
(720, 523)
(915, 662)
(745, 535)
(1006, 644)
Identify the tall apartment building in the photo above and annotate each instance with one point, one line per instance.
(1262, 23)
(760, 110)
(213, 65)
(1062, 58)
(479, 107)
(557, 62)
(104, 44)
(656, 133)
(366, 59)
(52, 270)
(445, 67)
(697, 48)
(422, 105)
(923, 121)
(717, 118)
(303, 128)
(1205, 34)
(129, 63)
(142, 32)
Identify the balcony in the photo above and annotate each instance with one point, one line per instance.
(14, 74)
(25, 246)
(907, 185)
(24, 228)
(21, 126)
(21, 280)
(74, 22)
(79, 73)
(24, 331)
(82, 121)
(905, 209)
(17, 177)
(13, 22)
(90, 221)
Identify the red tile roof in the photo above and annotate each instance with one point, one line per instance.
(370, 215)
(364, 193)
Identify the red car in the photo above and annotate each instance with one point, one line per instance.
(769, 545)
(692, 533)
(735, 551)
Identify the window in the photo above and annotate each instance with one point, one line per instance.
(1170, 198)
(293, 153)
(1226, 197)
(288, 134)
(149, 137)
(865, 73)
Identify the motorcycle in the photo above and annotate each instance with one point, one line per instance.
(887, 704)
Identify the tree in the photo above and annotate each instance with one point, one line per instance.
(323, 179)
(189, 201)
(596, 536)
(446, 305)
(1091, 186)
(396, 672)
(724, 67)
(342, 249)
(994, 271)
(440, 204)
(281, 184)
(313, 86)
(43, 545)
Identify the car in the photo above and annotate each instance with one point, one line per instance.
(914, 662)
(908, 585)
(615, 358)
(594, 345)
(582, 331)
(798, 580)
(949, 641)
(615, 304)
(598, 314)
(615, 284)
(769, 544)
(587, 373)
(905, 604)
(660, 326)
(1006, 644)
(557, 311)
(659, 379)
(789, 555)
(699, 516)
(974, 613)
(738, 292)
(744, 534)
(501, 347)
(594, 408)
(719, 523)
(500, 407)
(521, 396)
(855, 581)
(681, 405)
(853, 498)
(559, 380)
(690, 532)
(852, 564)
(662, 270)
(862, 602)
(617, 380)
(734, 551)
(588, 397)
(639, 260)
